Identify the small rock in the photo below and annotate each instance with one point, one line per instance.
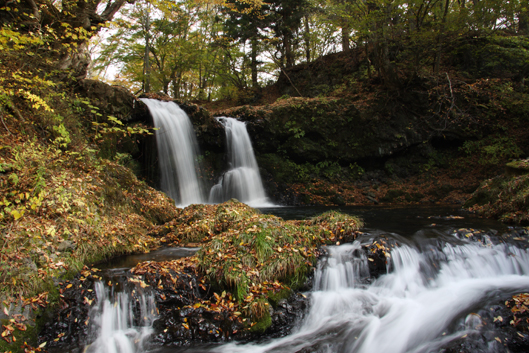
(66, 246)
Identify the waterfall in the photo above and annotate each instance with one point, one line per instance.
(419, 306)
(242, 181)
(178, 151)
(115, 326)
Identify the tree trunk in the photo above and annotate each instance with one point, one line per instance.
(307, 37)
(253, 64)
(68, 52)
(523, 18)
(367, 60)
(289, 55)
(440, 39)
(346, 44)
(146, 63)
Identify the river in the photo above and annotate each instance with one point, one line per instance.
(445, 274)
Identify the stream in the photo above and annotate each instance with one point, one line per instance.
(443, 281)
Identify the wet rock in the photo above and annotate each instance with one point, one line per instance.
(378, 253)
(186, 326)
(372, 199)
(493, 330)
(69, 324)
(287, 313)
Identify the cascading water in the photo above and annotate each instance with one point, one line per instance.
(178, 151)
(242, 181)
(440, 293)
(116, 328)
(420, 306)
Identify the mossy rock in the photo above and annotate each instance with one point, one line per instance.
(262, 324)
(505, 198)
(519, 167)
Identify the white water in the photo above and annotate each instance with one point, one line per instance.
(242, 181)
(114, 325)
(177, 151)
(417, 307)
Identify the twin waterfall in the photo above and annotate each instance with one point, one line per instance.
(180, 169)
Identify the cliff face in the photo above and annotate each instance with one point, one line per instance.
(365, 136)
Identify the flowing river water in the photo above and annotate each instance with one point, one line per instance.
(438, 288)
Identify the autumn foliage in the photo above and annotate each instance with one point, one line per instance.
(246, 257)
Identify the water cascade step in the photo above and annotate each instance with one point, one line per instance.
(121, 321)
(243, 180)
(427, 300)
(178, 151)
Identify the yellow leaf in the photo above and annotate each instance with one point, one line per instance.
(17, 214)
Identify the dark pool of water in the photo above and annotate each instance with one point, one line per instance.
(129, 261)
(403, 220)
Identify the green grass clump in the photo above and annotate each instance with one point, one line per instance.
(259, 258)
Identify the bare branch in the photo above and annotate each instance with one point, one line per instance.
(34, 9)
(112, 8)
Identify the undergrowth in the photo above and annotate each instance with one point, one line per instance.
(505, 197)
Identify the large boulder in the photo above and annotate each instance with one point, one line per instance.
(114, 101)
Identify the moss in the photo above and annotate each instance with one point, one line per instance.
(257, 256)
(519, 167)
(261, 325)
(275, 297)
(505, 197)
(28, 336)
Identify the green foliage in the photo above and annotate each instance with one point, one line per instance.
(63, 136)
(505, 198)
(356, 170)
(294, 129)
(329, 169)
(285, 170)
(492, 150)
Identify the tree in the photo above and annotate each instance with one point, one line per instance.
(66, 25)
(286, 17)
(245, 24)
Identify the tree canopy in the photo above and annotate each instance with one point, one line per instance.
(214, 49)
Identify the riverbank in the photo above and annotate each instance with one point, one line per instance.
(63, 209)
